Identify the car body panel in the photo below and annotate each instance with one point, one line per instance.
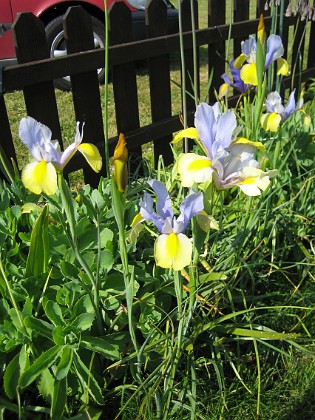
(10, 8)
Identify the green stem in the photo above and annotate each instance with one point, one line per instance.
(107, 162)
(183, 70)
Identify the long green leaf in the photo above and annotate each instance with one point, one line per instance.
(37, 260)
(88, 379)
(44, 361)
(11, 377)
(65, 363)
(39, 326)
(101, 346)
(59, 399)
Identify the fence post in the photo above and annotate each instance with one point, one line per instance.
(6, 142)
(124, 79)
(189, 58)
(216, 52)
(40, 99)
(241, 13)
(85, 86)
(159, 73)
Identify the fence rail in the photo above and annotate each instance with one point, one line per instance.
(35, 72)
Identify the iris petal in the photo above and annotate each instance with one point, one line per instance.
(283, 67)
(249, 74)
(92, 155)
(40, 177)
(194, 168)
(190, 133)
(270, 122)
(173, 251)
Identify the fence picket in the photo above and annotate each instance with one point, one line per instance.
(85, 86)
(124, 79)
(216, 52)
(40, 99)
(159, 73)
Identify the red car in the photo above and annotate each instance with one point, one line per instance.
(51, 12)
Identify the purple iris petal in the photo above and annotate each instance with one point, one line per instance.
(206, 125)
(249, 46)
(290, 106)
(226, 125)
(238, 82)
(191, 205)
(37, 138)
(164, 203)
(227, 79)
(275, 49)
(146, 211)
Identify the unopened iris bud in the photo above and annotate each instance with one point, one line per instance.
(261, 29)
(120, 164)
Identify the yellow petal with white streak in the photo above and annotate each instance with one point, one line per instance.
(40, 177)
(92, 155)
(194, 168)
(173, 251)
(270, 121)
(254, 181)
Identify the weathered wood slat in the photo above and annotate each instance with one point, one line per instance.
(159, 74)
(241, 13)
(6, 142)
(191, 68)
(85, 86)
(124, 79)
(216, 51)
(31, 44)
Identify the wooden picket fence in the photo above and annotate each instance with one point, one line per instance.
(35, 71)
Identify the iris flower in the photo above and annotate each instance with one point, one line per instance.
(172, 249)
(276, 112)
(228, 161)
(40, 175)
(274, 52)
(235, 82)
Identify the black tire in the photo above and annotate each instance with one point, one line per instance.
(56, 42)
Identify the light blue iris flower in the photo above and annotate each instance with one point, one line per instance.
(172, 248)
(228, 160)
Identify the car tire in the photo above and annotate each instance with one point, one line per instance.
(57, 46)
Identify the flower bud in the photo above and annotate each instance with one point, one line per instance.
(120, 164)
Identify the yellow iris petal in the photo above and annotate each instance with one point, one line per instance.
(92, 155)
(223, 91)
(257, 144)
(173, 251)
(249, 74)
(270, 121)
(239, 61)
(194, 168)
(40, 177)
(190, 133)
(283, 67)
